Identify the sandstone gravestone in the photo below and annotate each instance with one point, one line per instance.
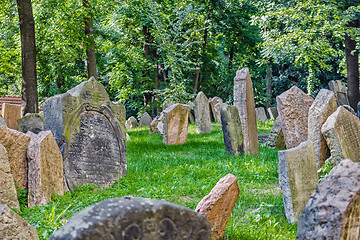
(45, 168)
(218, 205)
(276, 136)
(323, 106)
(13, 227)
(153, 125)
(145, 120)
(297, 177)
(232, 131)
(131, 123)
(16, 143)
(135, 218)
(202, 114)
(11, 113)
(260, 114)
(293, 107)
(31, 122)
(342, 133)
(8, 193)
(175, 124)
(332, 211)
(215, 111)
(244, 101)
(340, 90)
(2, 121)
(90, 130)
(273, 113)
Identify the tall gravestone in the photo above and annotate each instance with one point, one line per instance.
(90, 131)
(297, 177)
(276, 136)
(244, 101)
(340, 90)
(135, 218)
(293, 107)
(175, 124)
(11, 113)
(202, 113)
(215, 111)
(322, 107)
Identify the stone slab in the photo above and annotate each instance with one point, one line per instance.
(340, 90)
(11, 113)
(276, 136)
(145, 120)
(31, 122)
(215, 111)
(131, 123)
(175, 124)
(202, 113)
(260, 114)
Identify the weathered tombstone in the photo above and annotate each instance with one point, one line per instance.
(191, 113)
(175, 124)
(90, 131)
(135, 218)
(293, 107)
(260, 114)
(273, 113)
(131, 123)
(276, 137)
(202, 114)
(232, 131)
(153, 125)
(332, 211)
(2, 121)
(160, 125)
(167, 103)
(342, 133)
(11, 113)
(145, 120)
(8, 193)
(13, 227)
(244, 101)
(31, 122)
(340, 90)
(215, 110)
(322, 107)
(16, 143)
(45, 168)
(297, 177)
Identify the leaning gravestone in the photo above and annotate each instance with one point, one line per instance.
(135, 218)
(293, 107)
(175, 124)
(332, 211)
(323, 106)
(215, 111)
(340, 90)
(90, 131)
(276, 136)
(145, 120)
(202, 114)
(232, 131)
(244, 101)
(342, 133)
(32, 122)
(260, 114)
(8, 193)
(131, 123)
(11, 113)
(297, 177)
(273, 113)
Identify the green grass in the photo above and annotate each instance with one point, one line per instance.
(184, 174)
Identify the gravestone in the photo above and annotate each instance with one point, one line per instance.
(332, 211)
(32, 122)
(145, 120)
(167, 103)
(260, 114)
(160, 125)
(11, 113)
(244, 101)
(215, 111)
(191, 113)
(153, 125)
(276, 136)
(297, 177)
(175, 124)
(45, 168)
(131, 123)
(135, 218)
(218, 205)
(322, 107)
(293, 107)
(90, 131)
(202, 114)
(232, 131)
(273, 113)
(13, 227)
(342, 134)
(2, 121)
(340, 90)
(8, 193)
(16, 143)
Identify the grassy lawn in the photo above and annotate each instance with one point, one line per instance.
(184, 174)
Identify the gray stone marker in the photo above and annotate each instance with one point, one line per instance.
(293, 107)
(175, 124)
(297, 177)
(232, 131)
(191, 113)
(276, 137)
(340, 90)
(332, 211)
(322, 107)
(2, 121)
(135, 218)
(260, 114)
(131, 123)
(153, 125)
(145, 120)
(32, 122)
(202, 114)
(90, 131)
(244, 101)
(273, 113)
(215, 110)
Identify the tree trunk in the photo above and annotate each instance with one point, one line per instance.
(29, 94)
(268, 84)
(90, 42)
(197, 74)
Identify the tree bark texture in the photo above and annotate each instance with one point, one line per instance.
(268, 84)
(90, 44)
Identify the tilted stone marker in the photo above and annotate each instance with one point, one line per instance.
(215, 110)
(297, 177)
(293, 107)
(332, 211)
(145, 120)
(232, 131)
(323, 106)
(340, 90)
(135, 218)
(31, 122)
(273, 113)
(342, 133)
(276, 136)
(153, 125)
(8, 193)
(175, 124)
(219, 203)
(90, 131)
(11, 113)
(244, 101)
(45, 168)
(202, 114)
(260, 114)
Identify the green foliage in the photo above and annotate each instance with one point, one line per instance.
(325, 169)
(22, 196)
